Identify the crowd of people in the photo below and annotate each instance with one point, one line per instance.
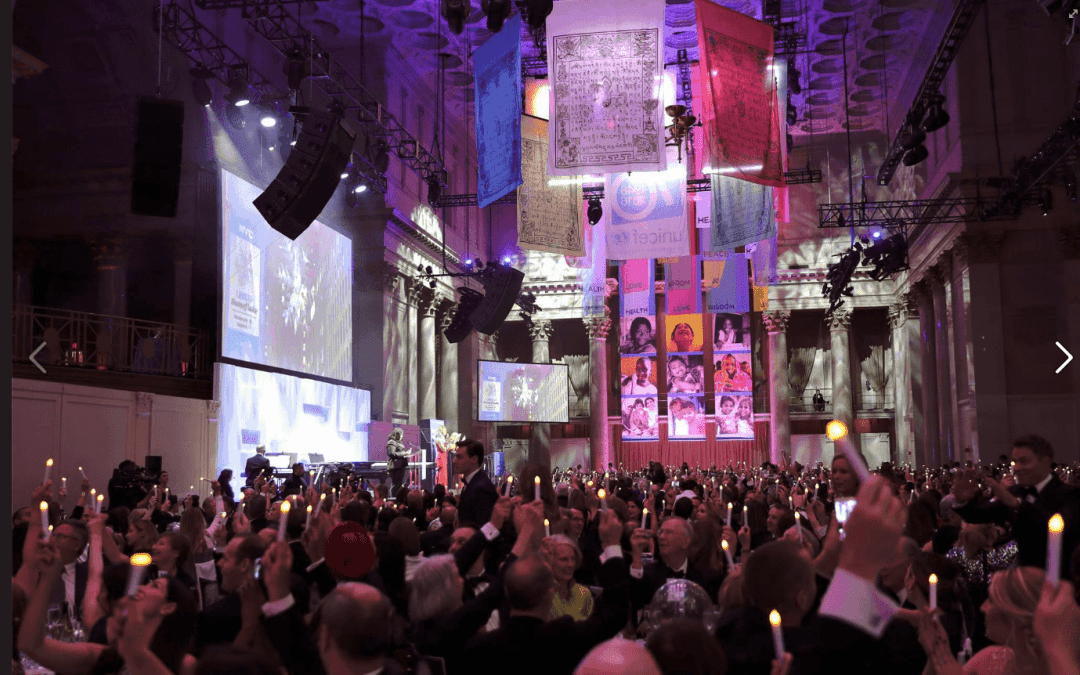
(673, 570)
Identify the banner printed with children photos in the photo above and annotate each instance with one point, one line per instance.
(637, 381)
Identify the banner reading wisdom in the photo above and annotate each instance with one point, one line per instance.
(606, 71)
(498, 113)
(549, 216)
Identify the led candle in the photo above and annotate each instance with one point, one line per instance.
(283, 521)
(603, 499)
(308, 523)
(933, 592)
(547, 527)
(509, 485)
(63, 483)
(791, 502)
(644, 518)
(100, 501)
(1053, 549)
(48, 470)
(777, 635)
(727, 553)
(82, 472)
(729, 514)
(798, 525)
(745, 516)
(536, 488)
(139, 562)
(44, 506)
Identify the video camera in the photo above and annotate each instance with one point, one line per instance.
(134, 477)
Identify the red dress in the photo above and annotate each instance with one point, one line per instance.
(442, 464)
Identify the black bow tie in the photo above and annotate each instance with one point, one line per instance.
(1028, 492)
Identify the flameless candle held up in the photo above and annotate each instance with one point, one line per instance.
(547, 527)
(139, 562)
(837, 432)
(1053, 549)
(536, 488)
(798, 525)
(82, 472)
(644, 518)
(727, 554)
(44, 506)
(308, 523)
(63, 483)
(933, 592)
(100, 501)
(283, 521)
(729, 514)
(603, 499)
(48, 470)
(777, 635)
(509, 486)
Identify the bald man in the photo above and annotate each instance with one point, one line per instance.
(618, 656)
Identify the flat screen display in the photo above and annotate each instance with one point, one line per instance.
(285, 304)
(524, 392)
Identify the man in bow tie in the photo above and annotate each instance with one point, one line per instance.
(1029, 504)
(673, 544)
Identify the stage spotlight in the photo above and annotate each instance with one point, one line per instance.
(1046, 202)
(936, 116)
(200, 87)
(497, 12)
(381, 156)
(239, 93)
(915, 155)
(455, 12)
(507, 260)
(296, 69)
(434, 190)
(236, 117)
(888, 257)
(267, 117)
(915, 137)
(595, 211)
(793, 80)
(360, 189)
(538, 11)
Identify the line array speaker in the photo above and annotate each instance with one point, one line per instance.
(501, 287)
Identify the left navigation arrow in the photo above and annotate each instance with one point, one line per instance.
(35, 353)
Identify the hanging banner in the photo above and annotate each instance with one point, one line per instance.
(727, 287)
(682, 293)
(687, 418)
(763, 260)
(739, 108)
(498, 113)
(687, 334)
(637, 288)
(549, 210)
(742, 213)
(640, 418)
(646, 214)
(594, 277)
(734, 416)
(636, 335)
(606, 72)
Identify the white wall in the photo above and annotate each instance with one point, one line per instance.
(810, 449)
(97, 428)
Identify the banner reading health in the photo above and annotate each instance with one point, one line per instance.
(498, 113)
(682, 294)
(646, 214)
(637, 288)
(594, 278)
(727, 287)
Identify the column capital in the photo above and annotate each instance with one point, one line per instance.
(540, 330)
(922, 287)
(908, 304)
(983, 246)
(1068, 237)
(940, 271)
(776, 320)
(423, 297)
(392, 278)
(447, 308)
(839, 319)
(597, 327)
(959, 253)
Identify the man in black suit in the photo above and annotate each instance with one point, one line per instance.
(1029, 504)
(673, 545)
(537, 645)
(71, 537)
(256, 465)
(479, 495)
(220, 622)
(437, 541)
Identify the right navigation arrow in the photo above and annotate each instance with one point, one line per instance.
(1068, 358)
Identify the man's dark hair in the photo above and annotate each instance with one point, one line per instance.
(473, 449)
(81, 530)
(686, 647)
(359, 630)
(127, 464)
(251, 547)
(256, 506)
(775, 573)
(1037, 444)
(684, 508)
(357, 512)
(528, 582)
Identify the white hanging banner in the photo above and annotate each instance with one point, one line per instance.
(606, 70)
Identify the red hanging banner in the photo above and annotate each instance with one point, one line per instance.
(739, 105)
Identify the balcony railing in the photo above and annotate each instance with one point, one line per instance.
(872, 400)
(113, 343)
(805, 403)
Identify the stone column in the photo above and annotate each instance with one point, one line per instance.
(395, 356)
(425, 301)
(110, 263)
(840, 353)
(779, 388)
(907, 379)
(928, 358)
(946, 372)
(447, 399)
(964, 352)
(599, 437)
(540, 331)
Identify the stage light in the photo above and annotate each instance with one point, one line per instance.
(296, 70)
(507, 260)
(1046, 202)
(595, 211)
(497, 12)
(469, 262)
(236, 117)
(239, 93)
(455, 12)
(538, 11)
(915, 137)
(267, 117)
(344, 175)
(793, 80)
(200, 87)
(888, 257)
(360, 189)
(915, 155)
(434, 190)
(936, 116)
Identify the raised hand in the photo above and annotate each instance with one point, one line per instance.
(1057, 625)
(277, 564)
(873, 529)
(966, 486)
(502, 512)
(610, 528)
(744, 537)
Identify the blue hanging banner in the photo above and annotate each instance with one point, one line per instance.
(727, 286)
(498, 113)
(742, 213)
(637, 288)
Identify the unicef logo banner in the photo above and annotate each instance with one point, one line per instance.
(646, 214)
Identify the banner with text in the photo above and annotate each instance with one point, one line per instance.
(498, 113)
(646, 214)
(606, 68)
(637, 288)
(727, 286)
(549, 211)
(682, 293)
(594, 277)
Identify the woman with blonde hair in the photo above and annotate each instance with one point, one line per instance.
(571, 598)
(141, 536)
(1010, 615)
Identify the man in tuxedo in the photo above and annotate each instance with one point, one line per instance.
(436, 541)
(256, 465)
(220, 622)
(1029, 504)
(71, 537)
(479, 495)
(673, 544)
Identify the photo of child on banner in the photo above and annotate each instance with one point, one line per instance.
(640, 418)
(734, 373)
(731, 332)
(734, 416)
(686, 334)
(638, 376)
(686, 417)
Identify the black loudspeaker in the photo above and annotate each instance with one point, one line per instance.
(153, 463)
(501, 287)
(159, 140)
(310, 176)
(460, 326)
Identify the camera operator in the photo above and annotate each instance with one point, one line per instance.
(129, 484)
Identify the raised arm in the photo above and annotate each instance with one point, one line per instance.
(95, 566)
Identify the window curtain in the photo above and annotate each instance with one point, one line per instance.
(800, 367)
(873, 367)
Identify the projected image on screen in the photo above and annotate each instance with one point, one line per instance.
(287, 304)
(524, 392)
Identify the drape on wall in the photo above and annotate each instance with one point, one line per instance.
(873, 367)
(800, 367)
(637, 454)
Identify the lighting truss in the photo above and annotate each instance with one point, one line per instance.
(243, 4)
(284, 32)
(182, 30)
(961, 21)
(911, 213)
